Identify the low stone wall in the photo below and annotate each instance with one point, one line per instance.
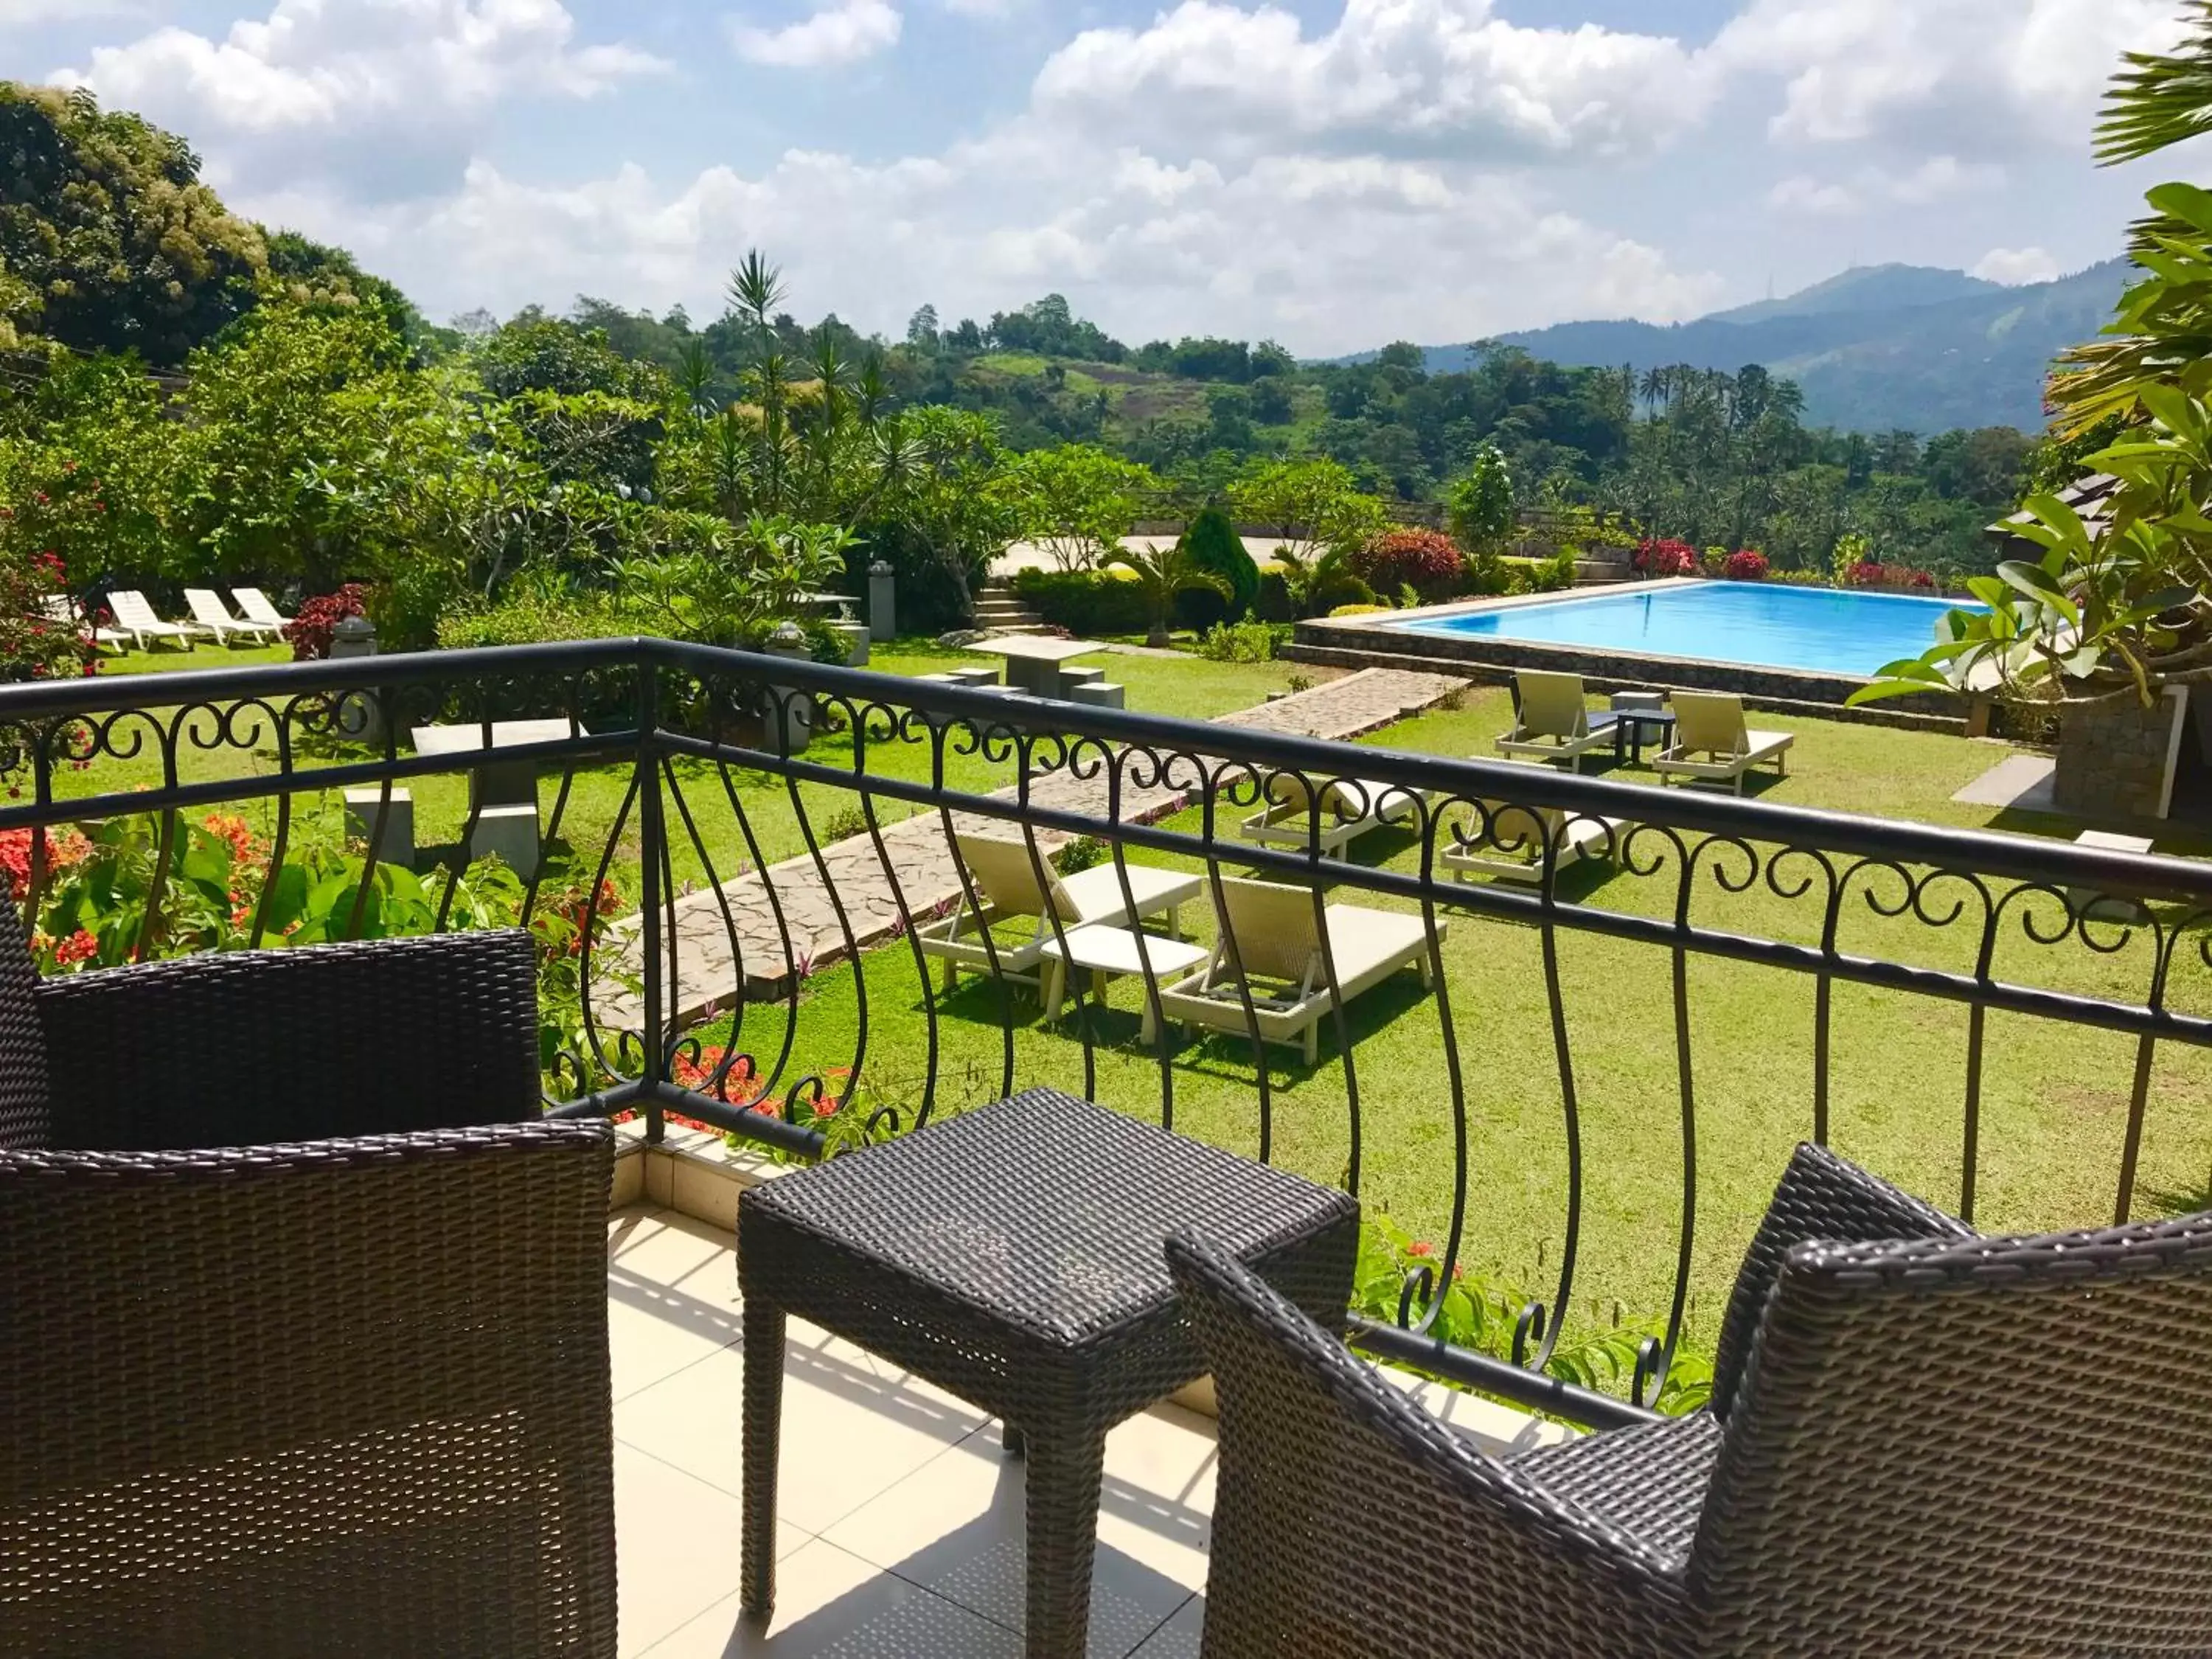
(1345, 645)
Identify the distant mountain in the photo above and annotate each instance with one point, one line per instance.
(1875, 349)
(1867, 288)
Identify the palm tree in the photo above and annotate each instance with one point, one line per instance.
(1312, 572)
(2161, 98)
(1165, 572)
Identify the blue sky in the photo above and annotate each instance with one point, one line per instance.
(1332, 173)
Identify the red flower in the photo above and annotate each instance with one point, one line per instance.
(1420, 1247)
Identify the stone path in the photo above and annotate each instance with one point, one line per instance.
(711, 971)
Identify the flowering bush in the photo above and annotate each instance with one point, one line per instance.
(1867, 573)
(1425, 561)
(1666, 558)
(309, 632)
(66, 848)
(35, 644)
(1745, 565)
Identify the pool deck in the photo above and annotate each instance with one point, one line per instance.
(1365, 642)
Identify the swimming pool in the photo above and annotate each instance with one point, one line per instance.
(1819, 630)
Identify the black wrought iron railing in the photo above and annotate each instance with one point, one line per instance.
(1564, 1068)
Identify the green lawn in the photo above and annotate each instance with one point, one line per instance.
(2054, 1097)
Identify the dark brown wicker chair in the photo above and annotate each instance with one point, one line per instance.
(1945, 1444)
(338, 1388)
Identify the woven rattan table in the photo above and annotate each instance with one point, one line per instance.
(1014, 1256)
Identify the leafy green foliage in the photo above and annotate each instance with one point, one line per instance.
(1161, 574)
(1244, 641)
(1484, 1315)
(1214, 544)
(104, 220)
(1087, 602)
(1077, 502)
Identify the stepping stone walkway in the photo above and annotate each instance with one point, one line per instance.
(711, 972)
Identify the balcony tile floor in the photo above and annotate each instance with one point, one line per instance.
(900, 1534)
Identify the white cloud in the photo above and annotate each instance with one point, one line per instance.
(1982, 74)
(1446, 73)
(1938, 178)
(1298, 246)
(2016, 266)
(369, 88)
(840, 32)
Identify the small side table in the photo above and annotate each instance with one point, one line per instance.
(1015, 1256)
(1634, 728)
(1107, 952)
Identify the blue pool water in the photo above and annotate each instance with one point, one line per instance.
(1818, 630)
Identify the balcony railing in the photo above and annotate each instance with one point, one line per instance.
(749, 851)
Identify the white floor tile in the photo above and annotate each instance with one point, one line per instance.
(955, 1526)
(829, 1603)
(852, 1426)
(676, 1542)
(671, 1297)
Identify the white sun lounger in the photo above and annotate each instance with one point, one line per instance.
(209, 612)
(1006, 882)
(61, 609)
(253, 605)
(1554, 721)
(1350, 808)
(136, 618)
(1712, 745)
(1271, 930)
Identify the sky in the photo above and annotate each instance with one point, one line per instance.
(1330, 174)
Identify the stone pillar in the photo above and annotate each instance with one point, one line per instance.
(360, 714)
(856, 642)
(793, 707)
(2117, 758)
(882, 602)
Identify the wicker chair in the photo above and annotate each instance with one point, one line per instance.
(1943, 1444)
(339, 1388)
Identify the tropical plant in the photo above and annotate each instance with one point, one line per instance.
(2121, 605)
(734, 591)
(1746, 564)
(1312, 579)
(1163, 573)
(1076, 501)
(1244, 641)
(1308, 503)
(1479, 505)
(943, 479)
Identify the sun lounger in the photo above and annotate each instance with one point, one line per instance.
(61, 609)
(209, 612)
(253, 605)
(1554, 721)
(1350, 808)
(1006, 881)
(1271, 932)
(1712, 745)
(1512, 842)
(136, 618)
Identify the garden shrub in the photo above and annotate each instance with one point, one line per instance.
(1244, 641)
(1212, 542)
(1426, 561)
(34, 645)
(1332, 595)
(309, 631)
(1869, 573)
(1359, 611)
(1089, 603)
(1665, 558)
(1745, 565)
(533, 619)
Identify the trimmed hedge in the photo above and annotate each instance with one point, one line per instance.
(1085, 602)
(1214, 544)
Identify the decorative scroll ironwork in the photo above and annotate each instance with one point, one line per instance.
(759, 822)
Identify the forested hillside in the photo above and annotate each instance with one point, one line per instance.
(112, 251)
